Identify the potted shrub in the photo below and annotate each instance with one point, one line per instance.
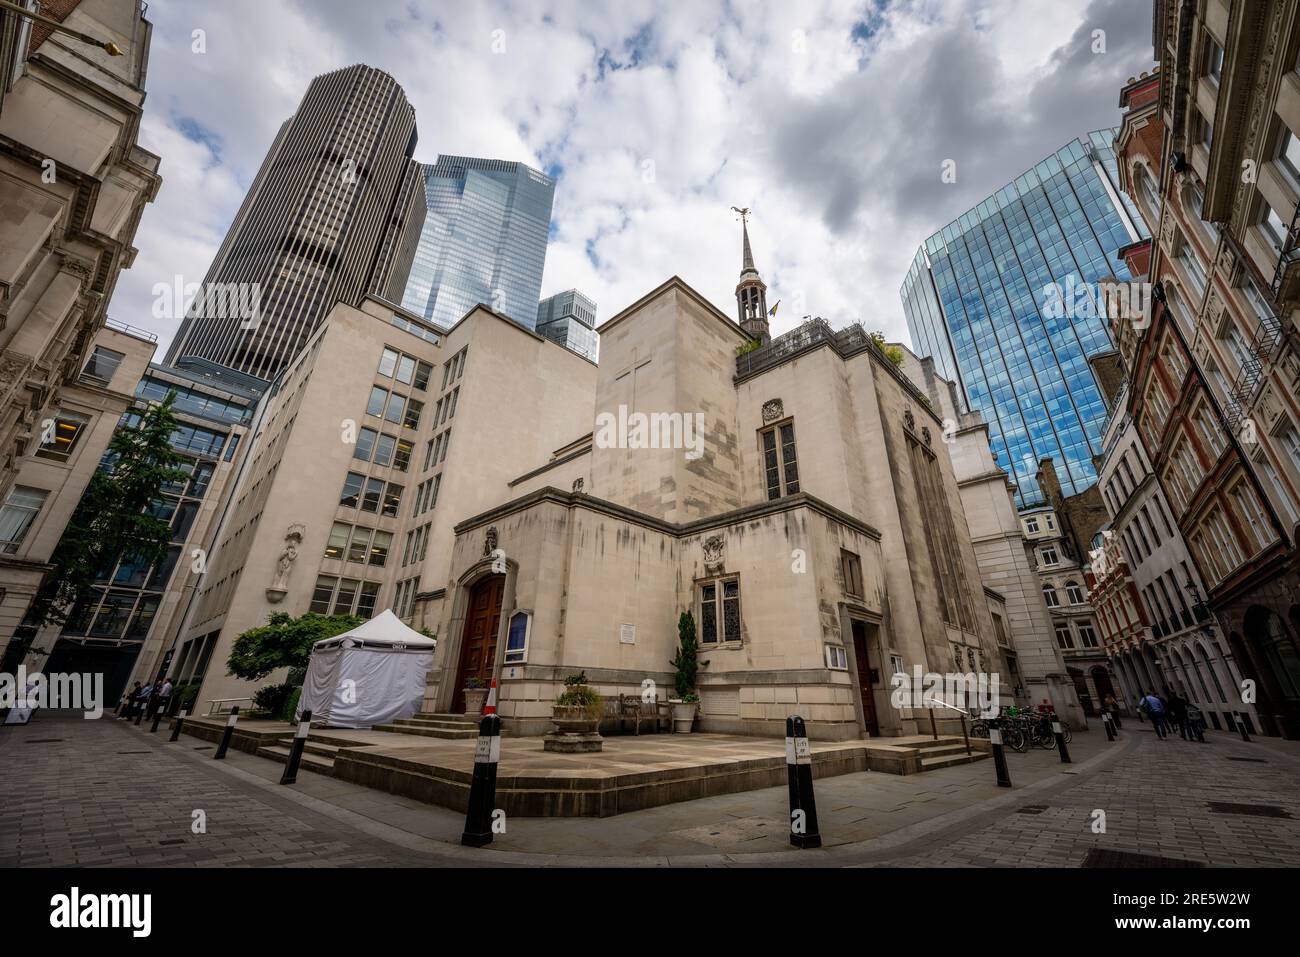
(686, 668)
(576, 714)
(475, 696)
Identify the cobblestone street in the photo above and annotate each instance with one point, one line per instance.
(104, 793)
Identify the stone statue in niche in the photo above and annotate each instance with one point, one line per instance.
(909, 420)
(714, 554)
(284, 564)
(490, 541)
(773, 409)
(578, 483)
(925, 434)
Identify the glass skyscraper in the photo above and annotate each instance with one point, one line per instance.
(483, 241)
(998, 298)
(569, 318)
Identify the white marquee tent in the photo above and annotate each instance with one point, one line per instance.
(371, 675)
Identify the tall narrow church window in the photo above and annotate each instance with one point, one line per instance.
(780, 464)
(720, 611)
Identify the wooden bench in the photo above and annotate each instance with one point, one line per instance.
(630, 707)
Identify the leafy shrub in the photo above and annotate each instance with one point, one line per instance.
(272, 698)
(581, 697)
(291, 705)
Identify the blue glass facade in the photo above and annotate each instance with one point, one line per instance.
(981, 298)
(483, 241)
(569, 318)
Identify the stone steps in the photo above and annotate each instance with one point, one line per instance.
(951, 760)
(314, 757)
(428, 730)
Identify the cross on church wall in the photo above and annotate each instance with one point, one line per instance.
(626, 379)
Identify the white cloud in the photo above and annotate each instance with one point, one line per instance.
(832, 134)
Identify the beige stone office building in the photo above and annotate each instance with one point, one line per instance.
(505, 493)
(54, 471)
(73, 183)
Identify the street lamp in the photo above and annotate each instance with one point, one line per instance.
(108, 46)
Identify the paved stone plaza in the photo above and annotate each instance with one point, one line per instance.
(105, 793)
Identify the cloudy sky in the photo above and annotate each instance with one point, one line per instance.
(831, 119)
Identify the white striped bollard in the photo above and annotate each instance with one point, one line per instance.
(483, 786)
(295, 752)
(804, 832)
(1060, 742)
(176, 728)
(999, 757)
(227, 734)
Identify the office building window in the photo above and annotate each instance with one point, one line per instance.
(60, 434)
(20, 509)
(101, 366)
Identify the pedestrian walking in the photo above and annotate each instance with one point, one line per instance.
(1196, 722)
(1154, 707)
(1178, 713)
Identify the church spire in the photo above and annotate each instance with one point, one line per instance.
(751, 291)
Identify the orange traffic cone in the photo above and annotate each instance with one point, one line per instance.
(491, 706)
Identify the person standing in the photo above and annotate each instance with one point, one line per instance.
(128, 702)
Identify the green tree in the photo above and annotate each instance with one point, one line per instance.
(283, 642)
(116, 517)
(686, 662)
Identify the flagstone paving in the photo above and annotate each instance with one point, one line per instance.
(105, 793)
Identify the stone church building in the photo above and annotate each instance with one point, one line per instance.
(794, 494)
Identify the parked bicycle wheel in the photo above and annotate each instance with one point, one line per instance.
(1043, 736)
(979, 730)
(1015, 738)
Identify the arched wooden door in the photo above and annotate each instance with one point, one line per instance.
(479, 640)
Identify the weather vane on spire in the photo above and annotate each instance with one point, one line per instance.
(744, 213)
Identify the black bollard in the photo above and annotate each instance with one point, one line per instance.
(176, 728)
(1114, 719)
(999, 758)
(227, 734)
(807, 803)
(483, 788)
(295, 753)
(157, 716)
(791, 765)
(1241, 726)
(1105, 723)
(1060, 742)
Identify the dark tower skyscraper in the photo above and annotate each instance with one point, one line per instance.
(333, 215)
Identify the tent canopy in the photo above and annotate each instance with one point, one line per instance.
(371, 675)
(384, 630)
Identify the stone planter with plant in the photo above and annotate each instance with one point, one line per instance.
(475, 696)
(576, 715)
(686, 668)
